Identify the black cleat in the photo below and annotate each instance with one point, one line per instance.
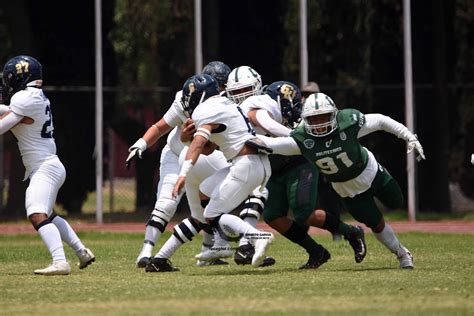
(244, 254)
(160, 265)
(317, 258)
(143, 262)
(357, 242)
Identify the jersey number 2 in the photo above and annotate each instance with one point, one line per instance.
(45, 132)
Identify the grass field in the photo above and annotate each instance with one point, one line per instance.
(441, 284)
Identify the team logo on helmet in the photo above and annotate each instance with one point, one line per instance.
(191, 88)
(288, 92)
(308, 143)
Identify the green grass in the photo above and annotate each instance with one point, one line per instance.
(441, 284)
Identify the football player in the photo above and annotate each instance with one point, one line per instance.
(330, 139)
(294, 181)
(176, 121)
(221, 121)
(29, 118)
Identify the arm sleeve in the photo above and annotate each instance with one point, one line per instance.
(376, 122)
(285, 146)
(4, 109)
(270, 125)
(9, 121)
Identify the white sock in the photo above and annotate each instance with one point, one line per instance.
(68, 235)
(388, 238)
(52, 239)
(253, 222)
(169, 248)
(207, 241)
(233, 225)
(152, 234)
(151, 237)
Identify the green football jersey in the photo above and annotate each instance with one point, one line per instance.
(339, 155)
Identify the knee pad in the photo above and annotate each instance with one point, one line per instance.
(253, 207)
(187, 229)
(158, 219)
(43, 223)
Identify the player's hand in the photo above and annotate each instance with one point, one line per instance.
(135, 150)
(179, 185)
(188, 131)
(414, 144)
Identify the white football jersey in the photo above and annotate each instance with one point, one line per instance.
(175, 117)
(236, 128)
(35, 141)
(264, 102)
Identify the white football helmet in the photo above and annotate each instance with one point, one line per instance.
(242, 83)
(319, 114)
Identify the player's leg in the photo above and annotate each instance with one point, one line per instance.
(182, 233)
(250, 212)
(390, 194)
(165, 205)
(329, 201)
(39, 199)
(363, 208)
(213, 247)
(227, 189)
(275, 214)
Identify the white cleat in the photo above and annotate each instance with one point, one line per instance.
(86, 257)
(405, 258)
(214, 254)
(55, 268)
(261, 245)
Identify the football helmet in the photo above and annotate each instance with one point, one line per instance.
(243, 82)
(288, 97)
(20, 72)
(196, 90)
(218, 70)
(319, 114)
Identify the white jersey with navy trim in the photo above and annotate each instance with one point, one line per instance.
(262, 102)
(175, 117)
(35, 141)
(235, 128)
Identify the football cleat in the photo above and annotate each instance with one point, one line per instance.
(160, 265)
(243, 255)
(86, 257)
(213, 254)
(316, 259)
(405, 258)
(217, 262)
(143, 261)
(357, 242)
(55, 268)
(261, 246)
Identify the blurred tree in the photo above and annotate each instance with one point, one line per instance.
(154, 48)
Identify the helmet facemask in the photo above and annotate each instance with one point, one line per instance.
(319, 115)
(242, 83)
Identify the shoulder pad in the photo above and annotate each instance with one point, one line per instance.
(350, 117)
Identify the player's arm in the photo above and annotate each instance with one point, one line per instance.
(285, 146)
(195, 149)
(263, 119)
(4, 109)
(376, 122)
(150, 137)
(8, 121)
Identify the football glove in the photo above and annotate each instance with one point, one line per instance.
(415, 144)
(135, 150)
